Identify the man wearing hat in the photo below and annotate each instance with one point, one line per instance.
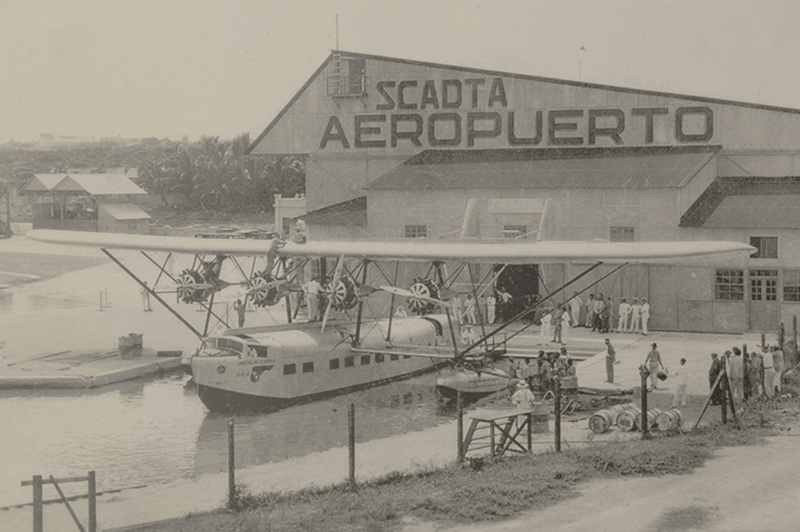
(653, 363)
(644, 311)
(522, 398)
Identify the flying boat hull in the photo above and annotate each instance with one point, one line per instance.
(302, 364)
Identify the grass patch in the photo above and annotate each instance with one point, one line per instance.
(498, 490)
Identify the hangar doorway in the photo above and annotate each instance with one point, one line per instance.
(521, 282)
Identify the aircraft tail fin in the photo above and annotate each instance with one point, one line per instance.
(471, 226)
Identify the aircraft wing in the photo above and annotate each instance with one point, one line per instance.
(175, 244)
(512, 252)
(516, 252)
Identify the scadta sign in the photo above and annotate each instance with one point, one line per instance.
(457, 113)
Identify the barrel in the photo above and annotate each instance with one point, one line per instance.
(539, 423)
(669, 419)
(602, 420)
(629, 419)
(651, 417)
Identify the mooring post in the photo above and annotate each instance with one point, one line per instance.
(231, 467)
(351, 442)
(38, 509)
(460, 414)
(557, 407)
(92, 501)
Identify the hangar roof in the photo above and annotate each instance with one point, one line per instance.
(124, 211)
(350, 212)
(653, 167)
(92, 184)
(756, 212)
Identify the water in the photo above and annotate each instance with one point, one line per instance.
(150, 431)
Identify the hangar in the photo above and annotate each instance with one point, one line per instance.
(397, 148)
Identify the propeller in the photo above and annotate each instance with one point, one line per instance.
(405, 293)
(336, 276)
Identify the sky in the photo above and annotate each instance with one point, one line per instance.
(159, 68)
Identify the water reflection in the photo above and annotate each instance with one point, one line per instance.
(150, 431)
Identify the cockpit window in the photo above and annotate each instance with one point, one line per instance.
(257, 351)
(230, 345)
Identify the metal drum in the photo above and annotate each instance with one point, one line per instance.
(669, 419)
(602, 420)
(629, 419)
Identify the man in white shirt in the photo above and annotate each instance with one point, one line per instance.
(491, 307)
(645, 314)
(575, 305)
(311, 290)
(769, 370)
(624, 312)
(681, 380)
(636, 311)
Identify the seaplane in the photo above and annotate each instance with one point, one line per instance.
(269, 367)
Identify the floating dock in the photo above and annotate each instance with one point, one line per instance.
(85, 369)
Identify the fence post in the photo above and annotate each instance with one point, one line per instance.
(231, 467)
(645, 428)
(92, 502)
(460, 414)
(38, 509)
(557, 407)
(351, 442)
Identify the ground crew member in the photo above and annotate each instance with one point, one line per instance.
(240, 309)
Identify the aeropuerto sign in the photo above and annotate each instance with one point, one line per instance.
(463, 113)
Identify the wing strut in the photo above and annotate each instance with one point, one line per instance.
(447, 312)
(153, 293)
(357, 338)
(391, 303)
(526, 311)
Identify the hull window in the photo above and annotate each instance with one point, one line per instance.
(349, 362)
(289, 369)
(364, 360)
(378, 357)
(394, 357)
(334, 363)
(308, 367)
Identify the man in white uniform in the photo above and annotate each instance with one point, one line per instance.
(491, 307)
(311, 290)
(624, 312)
(575, 306)
(645, 313)
(636, 311)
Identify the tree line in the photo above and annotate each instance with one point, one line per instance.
(214, 174)
(209, 174)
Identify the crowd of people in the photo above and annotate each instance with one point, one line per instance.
(599, 313)
(536, 377)
(747, 375)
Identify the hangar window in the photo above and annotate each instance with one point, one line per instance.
(767, 247)
(730, 285)
(416, 231)
(622, 234)
(515, 231)
(791, 285)
(763, 285)
(348, 76)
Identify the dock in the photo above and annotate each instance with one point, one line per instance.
(84, 368)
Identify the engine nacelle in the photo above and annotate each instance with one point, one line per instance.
(263, 290)
(424, 288)
(192, 286)
(344, 294)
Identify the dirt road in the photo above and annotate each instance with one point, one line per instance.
(743, 489)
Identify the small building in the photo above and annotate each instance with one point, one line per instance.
(86, 202)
